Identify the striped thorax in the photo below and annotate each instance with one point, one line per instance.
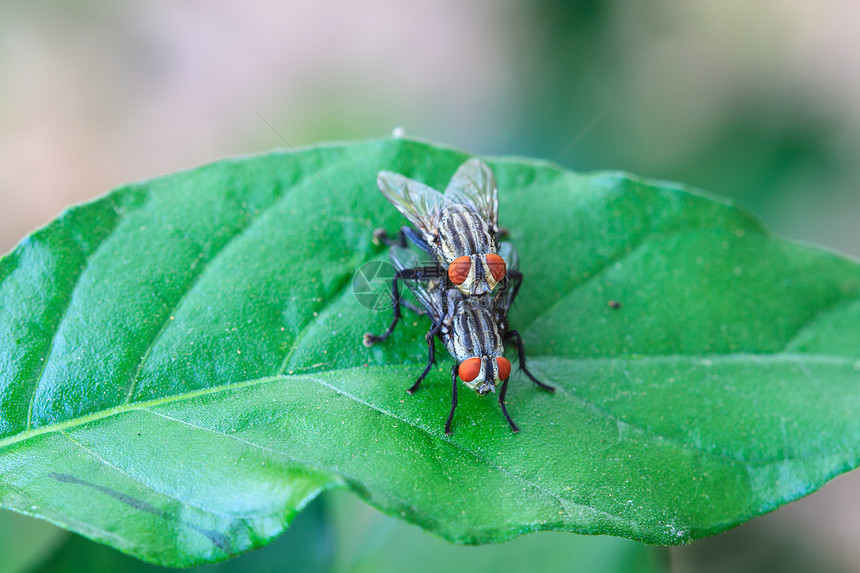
(475, 339)
(458, 227)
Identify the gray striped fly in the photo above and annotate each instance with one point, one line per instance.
(458, 227)
(474, 329)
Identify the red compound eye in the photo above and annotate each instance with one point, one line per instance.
(504, 367)
(469, 369)
(497, 266)
(458, 270)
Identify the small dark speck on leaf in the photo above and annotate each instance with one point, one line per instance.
(613, 304)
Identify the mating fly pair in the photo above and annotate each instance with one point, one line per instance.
(457, 230)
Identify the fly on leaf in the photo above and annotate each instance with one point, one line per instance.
(458, 227)
(474, 329)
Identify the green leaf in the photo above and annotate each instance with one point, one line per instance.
(181, 367)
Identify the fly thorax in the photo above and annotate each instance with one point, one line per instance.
(474, 332)
(468, 248)
(462, 231)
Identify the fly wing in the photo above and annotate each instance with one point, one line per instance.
(475, 184)
(419, 203)
(512, 262)
(428, 297)
(509, 254)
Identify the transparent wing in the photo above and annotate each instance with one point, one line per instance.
(509, 254)
(428, 297)
(475, 184)
(418, 202)
(512, 261)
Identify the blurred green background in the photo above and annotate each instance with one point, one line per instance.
(757, 101)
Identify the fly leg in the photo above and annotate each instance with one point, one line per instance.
(416, 309)
(404, 236)
(381, 237)
(514, 427)
(453, 401)
(371, 339)
(431, 357)
(404, 274)
(514, 336)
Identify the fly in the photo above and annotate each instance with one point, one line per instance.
(474, 330)
(457, 228)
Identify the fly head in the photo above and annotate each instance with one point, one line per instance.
(483, 373)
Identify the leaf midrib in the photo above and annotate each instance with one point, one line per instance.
(384, 412)
(560, 499)
(145, 405)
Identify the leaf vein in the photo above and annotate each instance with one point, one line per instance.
(192, 283)
(629, 249)
(837, 304)
(102, 414)
(68, 303)
(341, 290)
(556, 497)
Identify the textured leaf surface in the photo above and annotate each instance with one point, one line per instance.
(181, 367)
